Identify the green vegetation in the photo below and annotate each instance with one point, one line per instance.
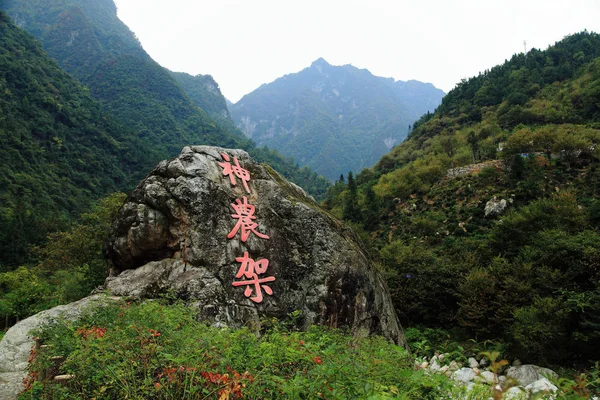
(166, 110)
(158, 350)
(333, 119)
(205, 93)
(64, 146)
(71, 265)
(528, 278)
(60, 151)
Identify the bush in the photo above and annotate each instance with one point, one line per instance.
(159, 351)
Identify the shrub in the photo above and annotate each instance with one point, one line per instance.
(159, 351)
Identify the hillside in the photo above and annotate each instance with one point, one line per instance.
(205, 93)
(507, 251)
(91, 43)
(60, 150)
(333, 119)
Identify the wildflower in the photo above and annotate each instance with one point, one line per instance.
(157, 385)
(318, 360)
(154, 333)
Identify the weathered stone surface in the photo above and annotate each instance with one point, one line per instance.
(526, 374)
(474, 168)
(472, 362)
(495, 207)
(515, 393)
(464, 375)
(541, 385)
(488, 377)
(18, 341)
(171, 235)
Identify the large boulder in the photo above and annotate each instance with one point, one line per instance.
(16, 345)
(181, 232)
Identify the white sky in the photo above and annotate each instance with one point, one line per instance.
(244, 43)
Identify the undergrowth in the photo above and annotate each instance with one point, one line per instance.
(156, 350)
(159, 351)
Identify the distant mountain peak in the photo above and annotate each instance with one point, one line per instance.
(320, 62)
(334, 119)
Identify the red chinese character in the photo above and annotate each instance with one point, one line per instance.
(245, 217)
(235, 170)
(250, 269)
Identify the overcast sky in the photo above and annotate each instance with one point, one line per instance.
(245, 43)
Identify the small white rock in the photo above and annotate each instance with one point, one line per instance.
(473, 363)
(489, 377)
(464, 375)
(541, 385)
(515, 393)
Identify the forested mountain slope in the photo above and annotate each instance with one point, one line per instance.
(506, 251)
(90, 42)
(59, 149)
(205, 93)
(333, 119)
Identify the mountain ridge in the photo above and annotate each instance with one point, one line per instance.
(333, 118)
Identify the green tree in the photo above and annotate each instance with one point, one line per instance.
(351, 212)
(474, 145)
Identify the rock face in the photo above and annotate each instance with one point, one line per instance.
(474, 168)
(179, 232)
(18, 341)
(495, 206)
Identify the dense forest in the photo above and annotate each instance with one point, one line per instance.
(528, 276)
(61, 151)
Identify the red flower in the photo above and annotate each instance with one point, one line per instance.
(318, 360)
(154, 332)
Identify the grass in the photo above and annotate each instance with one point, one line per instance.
(159, 351)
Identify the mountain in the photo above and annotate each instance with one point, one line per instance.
(60, 150)
(167, 110)
(333, 119)
(91, 43)
(487, 218)
(205, 93)
(88, 142)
